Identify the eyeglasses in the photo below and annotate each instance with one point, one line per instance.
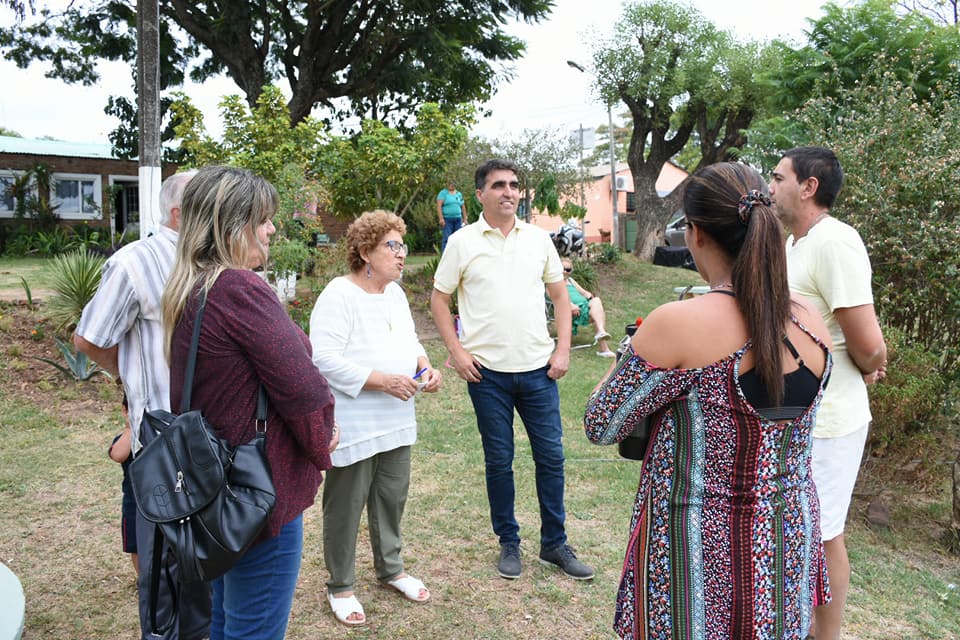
(396, 246)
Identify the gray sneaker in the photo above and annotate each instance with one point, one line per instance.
(509, 565)
(565, 559)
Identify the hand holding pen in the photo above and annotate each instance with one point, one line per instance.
(428, 379)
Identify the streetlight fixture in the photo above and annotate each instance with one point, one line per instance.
(615, 232)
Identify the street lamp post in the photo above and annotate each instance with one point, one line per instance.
(583, 195)
(615, 232)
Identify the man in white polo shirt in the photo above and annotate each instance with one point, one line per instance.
(499, 267)
(828, 263)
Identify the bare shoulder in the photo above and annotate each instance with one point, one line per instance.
(674, 335)
(654, 339)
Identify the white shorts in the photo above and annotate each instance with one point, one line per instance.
(834, 464)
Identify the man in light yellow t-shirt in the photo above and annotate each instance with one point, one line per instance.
(499, 267)
(828, 263)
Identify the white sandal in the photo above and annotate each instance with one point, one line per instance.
(410, 588)
(343, 607)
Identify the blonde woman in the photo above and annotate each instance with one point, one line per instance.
(246, 338)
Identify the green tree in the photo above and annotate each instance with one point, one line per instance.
(259, 139)
(844, 46)
(677, 74)
(384, 167)
(9, 132)
(901, 158)
(549, 168)
(262, 140)
(377, 60)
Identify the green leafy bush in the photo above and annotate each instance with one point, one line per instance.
(331, 262)
(75, 278)
(901, 158)
(603, 252)
(584, 273)
(423, 235)
(910, 398)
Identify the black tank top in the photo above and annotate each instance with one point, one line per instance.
(800, 388)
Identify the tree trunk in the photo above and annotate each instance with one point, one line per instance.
(652, 212)
(148, 98)
(955, 521)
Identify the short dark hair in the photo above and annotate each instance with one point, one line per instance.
(480, 177)
(822, 164)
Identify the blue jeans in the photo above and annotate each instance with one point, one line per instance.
(449, 226)
(252, 601)
(537, 400)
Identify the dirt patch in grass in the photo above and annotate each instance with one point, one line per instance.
(25, 336)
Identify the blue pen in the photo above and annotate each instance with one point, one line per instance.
(417, 375)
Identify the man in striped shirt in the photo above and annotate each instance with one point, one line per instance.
(121, 329)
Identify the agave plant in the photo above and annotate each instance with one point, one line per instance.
(76, 276)
(77, 365)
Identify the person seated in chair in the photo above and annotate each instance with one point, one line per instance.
(587, 308)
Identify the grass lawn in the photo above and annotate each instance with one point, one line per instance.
(60, 505)
(36, 271)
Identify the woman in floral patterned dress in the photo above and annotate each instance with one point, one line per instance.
(724, 540)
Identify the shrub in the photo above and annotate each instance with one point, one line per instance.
(584, 273)
(424, 235)
(330, 262)
(603, 253)
(906, 405)
(75, 278)
(901, 159)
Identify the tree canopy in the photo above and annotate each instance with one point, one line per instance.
(383, 167)
(366, 58)
(678, 75)
(847, 48)
(849, 43)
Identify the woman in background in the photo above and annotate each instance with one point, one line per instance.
(247, 338)
(724, 540)
(365, 343)
(587, 308)
(451, 211)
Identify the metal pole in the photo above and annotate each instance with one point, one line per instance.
(615, 233)
(583, 195)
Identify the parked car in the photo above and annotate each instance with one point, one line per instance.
(673, 235)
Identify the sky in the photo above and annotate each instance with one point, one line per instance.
(544, 92)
